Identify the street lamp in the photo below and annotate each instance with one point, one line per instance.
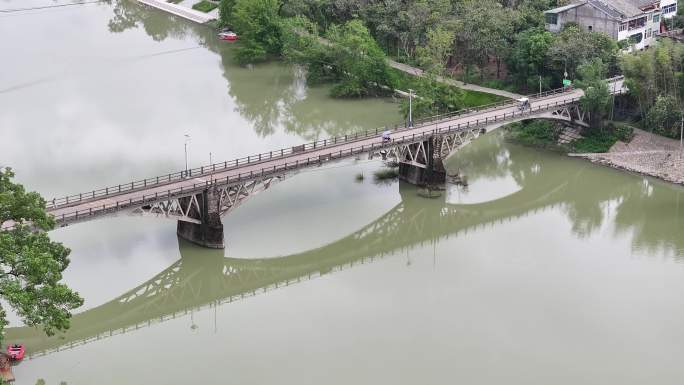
(410, 107)
(187, 140)
(540, 85)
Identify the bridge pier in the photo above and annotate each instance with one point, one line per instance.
(209, 232)
(426, 167)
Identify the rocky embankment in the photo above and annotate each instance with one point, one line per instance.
(646, 154)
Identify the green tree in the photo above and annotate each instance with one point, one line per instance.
(528, 57)
(433, 98)
(654, 72)
(664, 117)
(482, 32)
(349, 57)
(359, 62)
(32, 265)
(434, 54)
(226, 12)
(260, 29)
(573, 46)
(596, 99)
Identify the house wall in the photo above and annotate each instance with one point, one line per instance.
(593, 19)
(588, 18)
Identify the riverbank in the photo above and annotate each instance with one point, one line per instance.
(646, 154)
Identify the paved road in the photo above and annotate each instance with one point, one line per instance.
(452, 82)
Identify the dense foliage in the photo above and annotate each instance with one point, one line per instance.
(498, 43)
(538, 133)
(655, 78)
(466, 37)
(260, 28)
(31, 264)
(347, 56)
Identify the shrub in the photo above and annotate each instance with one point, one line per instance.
(386, 174)
(540, 133)
(204, 6)
(622, 131)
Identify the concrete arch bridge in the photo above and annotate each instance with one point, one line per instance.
(197, 198)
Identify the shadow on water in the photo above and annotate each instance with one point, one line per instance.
(204, 277)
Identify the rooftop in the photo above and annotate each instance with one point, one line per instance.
(566, 7)
(619, 9)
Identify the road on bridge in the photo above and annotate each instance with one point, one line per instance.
(85, 204)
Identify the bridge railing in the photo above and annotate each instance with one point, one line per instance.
(146, 199)
(504, 103)
(143, 184)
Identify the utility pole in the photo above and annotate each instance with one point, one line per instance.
(540, 86)
(410, 123)
(187, 139)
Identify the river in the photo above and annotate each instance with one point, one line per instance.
(543, 270)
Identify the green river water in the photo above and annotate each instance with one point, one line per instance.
(543, 270)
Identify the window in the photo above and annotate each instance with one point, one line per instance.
(551, 18)
(623, 27)
(670, 8)
(636, 38)
(637, 23)
(656, 18)
(590, 28)
(649, 32)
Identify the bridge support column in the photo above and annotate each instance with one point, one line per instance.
(433, 171)
(208, 233)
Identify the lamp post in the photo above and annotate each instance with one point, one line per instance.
(410, 123)
(187, 140)
(540, 85)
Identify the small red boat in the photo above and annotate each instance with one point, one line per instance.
(228, 35)
(16, 351)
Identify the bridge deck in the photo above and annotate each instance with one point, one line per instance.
(300, 159)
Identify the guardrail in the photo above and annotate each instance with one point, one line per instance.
(161, 180)
(287, 166)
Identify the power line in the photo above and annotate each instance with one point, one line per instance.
(12, 10)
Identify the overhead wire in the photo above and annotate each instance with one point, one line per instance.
(13, 10)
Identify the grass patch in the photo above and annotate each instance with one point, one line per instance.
(537, 133)
(476, 99)
(545, 134)
(404, 81)
(173, 1)
(204, 6)
(359, 177)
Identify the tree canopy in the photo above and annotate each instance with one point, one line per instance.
(31, 264)
(348, 56)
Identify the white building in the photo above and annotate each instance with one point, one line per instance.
(637, 20)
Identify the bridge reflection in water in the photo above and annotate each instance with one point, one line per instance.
(204, 278)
